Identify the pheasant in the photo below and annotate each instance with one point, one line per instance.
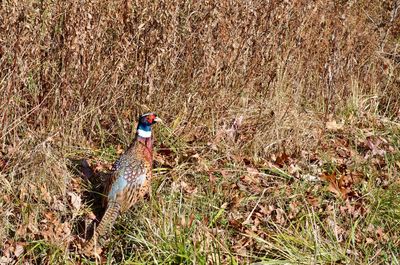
(130, 178)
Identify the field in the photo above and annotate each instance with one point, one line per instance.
(280, 142)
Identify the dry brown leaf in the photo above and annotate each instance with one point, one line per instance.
(120, 149)
(63, 230)
(293, 209)
(33, 228)
(5, 260)
(49, 217)
(196, 156)
(252, 178)
(213, 146)
(225, 174)
(191, 218)
(313, 201)
(341, 186)
(333, 125)
(58, 205)
(7, 198)
(11, 150)
(45, 195)
(187, 188)
(240, 246)
(183, 221)
(294, 170)
(369, 240)
(266, 210)
(309, 177)
(280, 159)
(236, 224)
(379, 233)
(8, 249)
(19, 249)
(371, 228)
(280, 216)
(252, 170)
(235, 201)
(76, 200)
(334, 188)
(23, 192)
(212, 178)
(374, 146)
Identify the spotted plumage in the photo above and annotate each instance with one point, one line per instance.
(130, 178)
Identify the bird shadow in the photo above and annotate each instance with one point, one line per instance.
(92, 196)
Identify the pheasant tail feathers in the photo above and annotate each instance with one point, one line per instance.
(107, 221)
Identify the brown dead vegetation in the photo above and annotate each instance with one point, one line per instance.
(242, 86)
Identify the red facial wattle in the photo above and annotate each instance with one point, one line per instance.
(151, 118)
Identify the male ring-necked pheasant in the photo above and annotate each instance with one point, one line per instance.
(130, 178)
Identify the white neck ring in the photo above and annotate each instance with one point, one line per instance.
(144, 134)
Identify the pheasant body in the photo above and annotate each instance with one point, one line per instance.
(129, 181)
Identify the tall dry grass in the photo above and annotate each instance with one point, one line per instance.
(82, 67)
(250, 77)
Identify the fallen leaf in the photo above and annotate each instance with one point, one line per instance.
(333, 125)
(379, 232)
(191, 218)
(21, 230)
(369, 240)
(252, 170)
(187, 188)
(281, 159)
(313, 201)
(5, 260)
(212, 178)
(293, 209)
(76, 200)
(120, 150)
(197, 156)
(370, 228)
(236, 224)
(49, 217)
(58, 205)
(334, 184)
(310, 177)
(11, 150)
(280, 216)
(183, 221)
(8, 249)
(266, 210)
(374, 146)
(19, 249)
(252, 179)
(294, 169)
(213, 146)
(45, 195)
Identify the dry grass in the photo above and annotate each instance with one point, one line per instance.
(245, 89)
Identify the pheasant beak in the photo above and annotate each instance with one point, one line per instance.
(157, 119)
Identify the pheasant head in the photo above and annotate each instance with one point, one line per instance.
(144, 125)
